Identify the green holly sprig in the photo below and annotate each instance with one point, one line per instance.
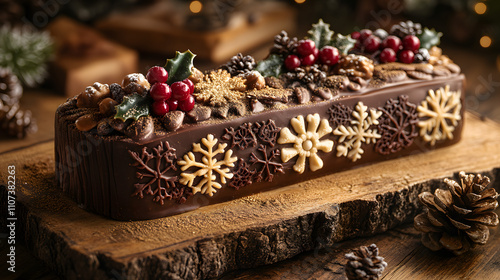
(135, 106)
(321, 35)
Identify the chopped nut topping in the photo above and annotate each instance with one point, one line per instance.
(92, 95)
(355, 66)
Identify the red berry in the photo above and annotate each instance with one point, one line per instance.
(358, 45)
(387, 55)
(160, 108)
(190, 85)
(355, 35)
(308, 60)
(306, 47)
(315, 52)
(371, 44)
(291, 62)
(180, 91)
(187, 104)
(172, 104)
(406, 56)
(392, 42)
(329, 55)
(160, 91)
(364, 33)
(411, 42)
(157, 74)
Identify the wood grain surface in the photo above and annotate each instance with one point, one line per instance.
(253, 231)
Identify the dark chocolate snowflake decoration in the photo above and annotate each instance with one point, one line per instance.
(267, 132)
(181, 193)
(249, 134)
(269, 167)
(153, 174)
(243, 137)
(398, 125)
(242, 176)
(340, 115)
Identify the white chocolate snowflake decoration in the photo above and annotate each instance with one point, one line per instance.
(208, 167)
(353, 136)
(306, 143)
(440, 113)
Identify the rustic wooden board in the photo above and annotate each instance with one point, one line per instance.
(248, 232)
(402, 250)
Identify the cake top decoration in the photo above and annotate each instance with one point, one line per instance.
(323, 66)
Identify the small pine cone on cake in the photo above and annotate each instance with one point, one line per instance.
(239, 65)
(458, 218)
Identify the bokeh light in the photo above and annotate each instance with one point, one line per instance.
(195, 7)
(485, 41)
(480, 8)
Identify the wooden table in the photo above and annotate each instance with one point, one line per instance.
(400, 246)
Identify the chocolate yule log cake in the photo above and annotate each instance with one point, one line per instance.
(178, 139)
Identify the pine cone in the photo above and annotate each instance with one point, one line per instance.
(406, 28)
(365, 263)
(458, 218)
(14, 122)
(284, 45)
(10, 87)
(315, 74)
(239, 65)
(422, 56)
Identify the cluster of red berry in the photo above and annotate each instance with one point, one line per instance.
(178, 96)
(391, 47)
(308, 54)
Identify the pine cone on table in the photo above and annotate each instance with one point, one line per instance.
(403, 29)
(10, 87)
(284, 45)
(364, 263)
(15, 122)
(457, 219)
(239, 65)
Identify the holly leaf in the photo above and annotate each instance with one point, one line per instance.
(429, 38)
(272, 66)
(179, 67)
(343, 43)
(133, 107)
(321, 34)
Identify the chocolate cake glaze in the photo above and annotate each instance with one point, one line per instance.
(98, 172)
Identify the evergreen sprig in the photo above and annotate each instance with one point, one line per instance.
(25, 52)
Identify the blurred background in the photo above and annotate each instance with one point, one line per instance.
(50, 50)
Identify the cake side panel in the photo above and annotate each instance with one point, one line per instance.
(107, 176)
(185, 140)
(83, 165)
